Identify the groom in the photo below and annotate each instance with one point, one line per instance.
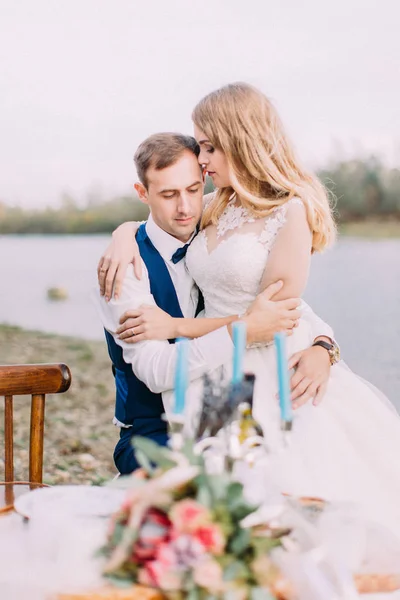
(171, 184)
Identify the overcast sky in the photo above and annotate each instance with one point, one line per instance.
(82, 82)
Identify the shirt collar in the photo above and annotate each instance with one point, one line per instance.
(165, 243)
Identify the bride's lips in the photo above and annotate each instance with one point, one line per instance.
(211, 173)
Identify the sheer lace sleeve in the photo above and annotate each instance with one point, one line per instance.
(288, 236)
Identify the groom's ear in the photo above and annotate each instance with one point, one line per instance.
(141, 192)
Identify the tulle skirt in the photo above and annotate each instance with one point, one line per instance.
(345, 449)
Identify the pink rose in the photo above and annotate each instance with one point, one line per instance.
(188, 515)
(207, 574)
(155, 530)
(212, 538)
(188, 550)
(164, 572)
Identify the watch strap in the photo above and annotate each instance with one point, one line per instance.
(323, 344)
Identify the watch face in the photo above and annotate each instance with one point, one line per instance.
(335, 353)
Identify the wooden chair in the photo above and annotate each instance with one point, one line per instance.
(36, 381)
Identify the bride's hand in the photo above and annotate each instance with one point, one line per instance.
(121, 251)
(146, 323)
(312, 370)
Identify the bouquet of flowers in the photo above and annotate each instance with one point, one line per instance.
(181, 531)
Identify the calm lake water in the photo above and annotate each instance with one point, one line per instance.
(355, 287)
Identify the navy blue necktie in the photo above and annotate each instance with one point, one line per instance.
(180, 253)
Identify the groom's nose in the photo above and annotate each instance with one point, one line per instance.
(184, 203)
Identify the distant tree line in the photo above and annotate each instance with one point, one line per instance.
(102, 217)
(364, 189)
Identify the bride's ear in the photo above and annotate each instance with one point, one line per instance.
(141, 192)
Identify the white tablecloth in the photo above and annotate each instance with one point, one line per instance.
(38, 558)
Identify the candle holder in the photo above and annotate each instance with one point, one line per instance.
(253, 448)
(286, 429)
(223, 451)
(176, 424)
(213, 451)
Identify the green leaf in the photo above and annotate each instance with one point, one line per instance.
(125, 482)
(193, 457)
(240, 541)
(218, 485)
(159, 455)
(264, 545)
(242, 591)
(143, 461)
(234, 493)
(120, 582)
(204, 495)
(258, 593)
(118, 533)
(241, 510)
(236, 570)
(193, 594)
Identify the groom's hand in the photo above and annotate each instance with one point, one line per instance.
(265, 317)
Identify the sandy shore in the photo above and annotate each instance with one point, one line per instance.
(79, 434)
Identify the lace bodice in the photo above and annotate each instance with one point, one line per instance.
(228, 260)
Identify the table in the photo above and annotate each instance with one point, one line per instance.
(37, 558)
(43, 558)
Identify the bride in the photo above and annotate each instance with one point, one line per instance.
(266, 218)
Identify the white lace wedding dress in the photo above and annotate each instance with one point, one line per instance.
(348, 447)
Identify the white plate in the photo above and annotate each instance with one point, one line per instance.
(74, 500)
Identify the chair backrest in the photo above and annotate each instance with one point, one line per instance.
(36, 381)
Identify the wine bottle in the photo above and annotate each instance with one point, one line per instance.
(248, 426)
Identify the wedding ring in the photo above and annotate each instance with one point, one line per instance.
(132, 332)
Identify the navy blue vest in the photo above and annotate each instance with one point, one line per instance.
(133, 399)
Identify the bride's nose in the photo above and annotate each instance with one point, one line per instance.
(203, 158)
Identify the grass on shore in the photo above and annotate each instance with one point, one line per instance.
(79, 434)
(371, 229)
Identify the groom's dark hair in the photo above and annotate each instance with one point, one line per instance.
(161, 150)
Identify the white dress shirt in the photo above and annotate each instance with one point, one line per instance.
(185, 287)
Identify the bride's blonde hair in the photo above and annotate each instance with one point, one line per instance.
(241, 122)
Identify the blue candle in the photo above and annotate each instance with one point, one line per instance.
(181, 374)
(285, 402)
(239, 342)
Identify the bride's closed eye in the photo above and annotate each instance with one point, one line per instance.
(208, 148)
